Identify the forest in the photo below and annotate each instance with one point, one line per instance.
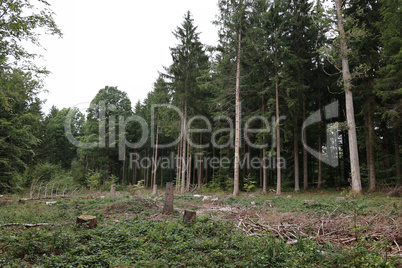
(296, 95)
(278, 147)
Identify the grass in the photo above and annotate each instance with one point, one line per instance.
(131, 232)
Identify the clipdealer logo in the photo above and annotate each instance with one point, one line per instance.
(268, 127)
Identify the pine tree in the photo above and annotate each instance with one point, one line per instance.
(189, 63)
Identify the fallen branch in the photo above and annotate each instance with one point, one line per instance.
(29, 225)
(42, 198)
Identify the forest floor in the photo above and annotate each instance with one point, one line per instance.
(318, 228)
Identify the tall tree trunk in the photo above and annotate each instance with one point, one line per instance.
(367, 144)
(107, 165)
(278, 134)
(188, 161)
(264, 171)
(184, 155)
(296, 156)
(319, 183)
(261, 157)
(162, 175)
(350, 114)
(249, 160)
(146, 172)
(264, 161)
(199, 168)
(213, 168)
(346, 162)
(178, 164)
(371, 155)
(123, 181)
(305, 164)
(193, 175)
(237, 120)
(134, 174)
(155, 162)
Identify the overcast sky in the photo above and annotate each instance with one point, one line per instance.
(116, 43)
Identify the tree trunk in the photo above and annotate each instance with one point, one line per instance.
(146, 172)
(296, 156)
(162, 173)
(264, 153)
(264, 172)
(346, 162)
(305, 164)
(134, 174)
(237, 120)
(123, 180)
(178, 164)
(213, 167)
(189, 164)
(200, 168)
(319, 183)
(350, 114)
(261, 170)
(278, 134)
(184, 155)
(371, 156)
(155, 162)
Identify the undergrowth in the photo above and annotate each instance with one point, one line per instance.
(127, 236)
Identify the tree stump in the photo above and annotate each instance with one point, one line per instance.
(189, 216)
(90, 221)
(168, 205)
(113, 190)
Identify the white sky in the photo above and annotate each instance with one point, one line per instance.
(116, 43)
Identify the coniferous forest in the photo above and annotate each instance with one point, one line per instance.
(296, 95)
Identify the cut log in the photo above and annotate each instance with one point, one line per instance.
(87, 221)
(168, 205)
(189, 216)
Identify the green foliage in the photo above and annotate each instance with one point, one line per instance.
(101, 128)
(144, 242)
(221, 181)
(112, 180)
(136, 188)
(249, 183)
(93, 179)
(46, 171)
(20, 83)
